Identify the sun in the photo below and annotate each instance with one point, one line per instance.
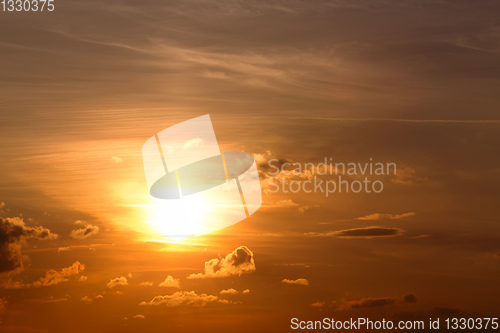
(171, 219)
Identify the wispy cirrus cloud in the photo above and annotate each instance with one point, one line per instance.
(379, 216)
(368, 232)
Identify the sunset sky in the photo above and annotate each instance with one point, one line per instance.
(415, 83)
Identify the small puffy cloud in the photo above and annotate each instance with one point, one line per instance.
(139, 316)
(318, 304)
(406, 176)
(378, 216)
(13, 236)
(170, 282)
(232, 291)
(146, 284)
(2, 205)
(82, 278)
(63, 249)
(85, 232)
(52, 277)
(3, 304)
(229, 291)
(119, 281)
(86, 299)
(301, 282)
(184, 298)
(196, 142)
(117, 159)
(287, 203)
(238, 262)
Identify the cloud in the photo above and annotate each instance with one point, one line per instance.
(63, 249)
(410, 298)
(301, 282)
(238, 262)
(146, 284)
(86, 299)
(139, 316)
(232, 291)
(3, 304)
(229, 291)
(378, 216)
(184, 298)
(370, 302)
(214, 75)
(170, 282)
(443, 311)
(13, 235)
(52, 277)
(2, 205)
(82, 278)
(119, 281)
(369, 232)
(84, 232)
(406, 176)
(367, 303)
(318, 304)
(196, 142)
(117, 159)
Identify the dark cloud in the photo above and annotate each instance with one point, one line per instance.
(13, 235)
(370, 302)
(444, 311)
(238, 262)
(410, 298)
(369, 232)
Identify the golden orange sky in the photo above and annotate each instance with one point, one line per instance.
(412, 83)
